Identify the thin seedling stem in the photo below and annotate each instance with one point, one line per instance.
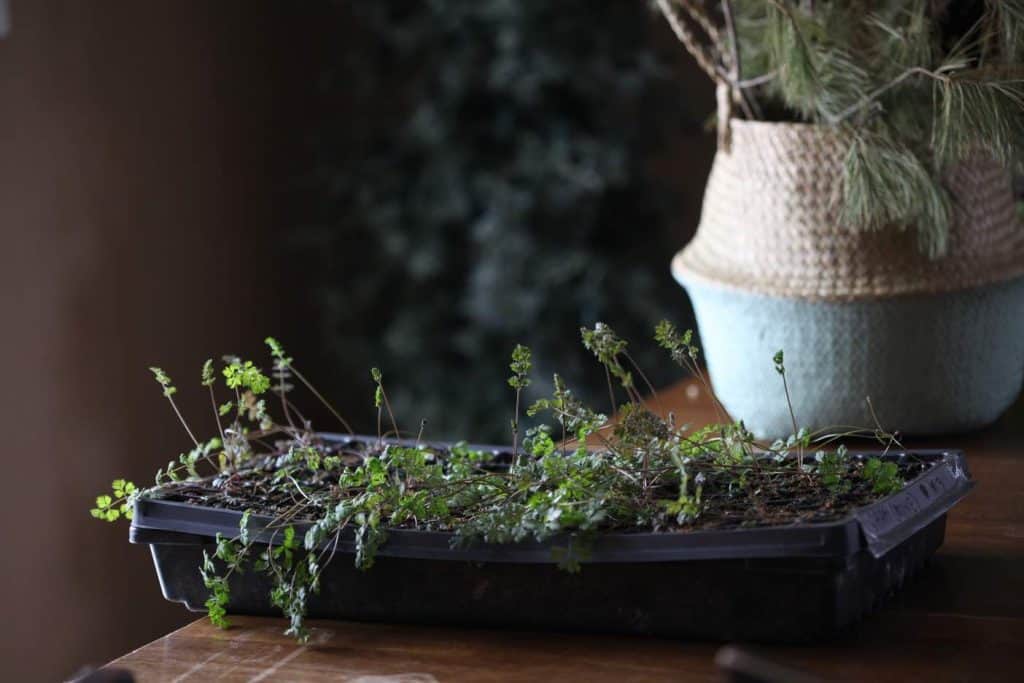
(792, 417)
(216, 414)
(182, 420)
(322, 400)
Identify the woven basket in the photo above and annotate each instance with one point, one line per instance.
(937, 344)
(769, 225)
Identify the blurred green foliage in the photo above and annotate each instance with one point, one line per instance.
(481, 177)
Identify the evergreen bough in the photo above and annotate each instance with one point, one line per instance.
(918, 85)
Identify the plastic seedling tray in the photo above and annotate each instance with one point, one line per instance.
(789, 583)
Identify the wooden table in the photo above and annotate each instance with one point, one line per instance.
(961, 619)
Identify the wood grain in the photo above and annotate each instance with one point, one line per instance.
(962, 619)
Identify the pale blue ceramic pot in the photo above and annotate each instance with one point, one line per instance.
(931, 364)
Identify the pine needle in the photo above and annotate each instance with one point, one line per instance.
(975, 115)
(798, 84)
(819, 76)
(903, 37)
(921, 88)
(1010, 29)
(886, 185)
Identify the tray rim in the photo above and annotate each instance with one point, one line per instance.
(875, 528)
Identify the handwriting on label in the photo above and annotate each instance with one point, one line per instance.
(900, 507)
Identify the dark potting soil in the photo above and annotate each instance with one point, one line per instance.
(776, 492)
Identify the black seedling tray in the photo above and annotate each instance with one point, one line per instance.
(783, 583)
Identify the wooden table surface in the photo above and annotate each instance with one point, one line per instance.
(961, 619)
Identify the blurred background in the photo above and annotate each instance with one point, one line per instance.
(413, 185)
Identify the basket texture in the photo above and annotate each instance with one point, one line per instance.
(769, 225)
(938, 345)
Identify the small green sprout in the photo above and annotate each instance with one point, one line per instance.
(239, 375)
(111, 508)
(381, 403)
(165, 381)
(216, 604)
(520, 367)
(833, 469)
(607, 347)
(277, 351)
(243, 527)
(378, 394)
(884, 477)
(208, 374)
(520, 379)
(778, 359)
(680, 346)
(539, 442)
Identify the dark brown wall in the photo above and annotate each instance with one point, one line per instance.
(135, 140)
(141, 147)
